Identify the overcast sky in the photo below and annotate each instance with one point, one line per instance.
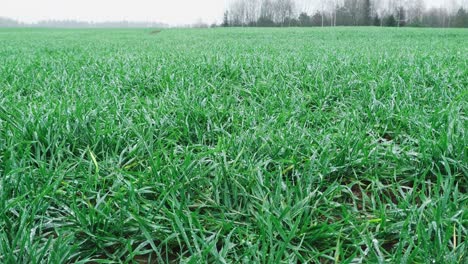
(168, 11)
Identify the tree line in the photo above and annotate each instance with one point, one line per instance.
(389, 13)
(8, 22)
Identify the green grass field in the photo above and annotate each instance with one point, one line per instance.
(337, 145)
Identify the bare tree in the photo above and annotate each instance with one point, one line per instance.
(344, 12)
(251, 11)
(415, 10)
(284, 9)
(267, 9)
(237, 13)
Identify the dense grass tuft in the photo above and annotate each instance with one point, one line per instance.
(233, 145)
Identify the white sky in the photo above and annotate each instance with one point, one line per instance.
(167, 11)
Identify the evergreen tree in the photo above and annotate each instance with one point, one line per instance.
(226, 19)
(366, 13)
(304, 19)
(376, 21)
(390, 21)
(461, 18)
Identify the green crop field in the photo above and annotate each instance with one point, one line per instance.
(337, 145)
